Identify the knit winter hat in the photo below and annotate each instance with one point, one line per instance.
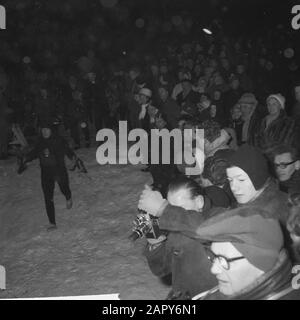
(279, 97)
(252, 161)
(259, 239)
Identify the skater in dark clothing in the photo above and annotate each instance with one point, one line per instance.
(51, 149)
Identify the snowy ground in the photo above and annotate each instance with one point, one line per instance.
(89, 253)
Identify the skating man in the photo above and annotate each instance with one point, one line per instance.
(51, 150)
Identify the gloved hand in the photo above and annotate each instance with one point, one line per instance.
(152, 202)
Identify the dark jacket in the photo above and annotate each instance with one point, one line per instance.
(275, 284)
(189, 102)
(51, 153)
(253, 129)
(292, 185)
(283, 130)
(172, 111)
(183, 257)
(270, 203)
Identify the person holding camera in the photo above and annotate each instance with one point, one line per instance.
(178, 255)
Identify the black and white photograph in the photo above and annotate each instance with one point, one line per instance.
(150, 151)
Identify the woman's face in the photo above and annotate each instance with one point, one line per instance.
(182, 198)
(241, 272)
(241, 185)
(273, 106)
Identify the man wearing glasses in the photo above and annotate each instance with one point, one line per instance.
(287, 164)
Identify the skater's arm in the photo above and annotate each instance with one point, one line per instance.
(68, 151)
(180, 220)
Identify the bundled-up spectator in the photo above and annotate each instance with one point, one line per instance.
(277, 127)
(295, 112)
(188, 98)
(232, 96)
(179, 255)
(94, 99)
(286, 163)
(251, 118)
(78, 120)
(245, 80)
(169, 106)
(236, 122)
(248, 236)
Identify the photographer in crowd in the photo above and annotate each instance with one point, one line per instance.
(250, 183)
(181, 256)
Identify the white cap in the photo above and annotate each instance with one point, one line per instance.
(146, 92)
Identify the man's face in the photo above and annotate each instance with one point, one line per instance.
(283, 169)
(163, 69)
(163, 94)
(241, 272)
(44, 93)
(133, 74)
(182, 198)
(154, 69)
(246, 109)
(241, 185)
(160, 123)
(46, 133)
(240, 69)
(143, 99)
(235, 84)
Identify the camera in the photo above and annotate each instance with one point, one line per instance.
(145, 225)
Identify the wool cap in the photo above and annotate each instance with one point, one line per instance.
(253, 162)
(279, 97)
(259, 239)
(146, 92)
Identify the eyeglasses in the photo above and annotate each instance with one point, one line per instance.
(222, 261)
(283, 165)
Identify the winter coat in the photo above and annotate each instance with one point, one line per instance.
(253, 129)
(292, 185)
(185, 258)
(275, 284)
(51, 153)
(189, 102)
(172, 111)
(282, 130)
(270, 203)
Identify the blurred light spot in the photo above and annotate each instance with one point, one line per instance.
(140, 23)
(109, 3)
